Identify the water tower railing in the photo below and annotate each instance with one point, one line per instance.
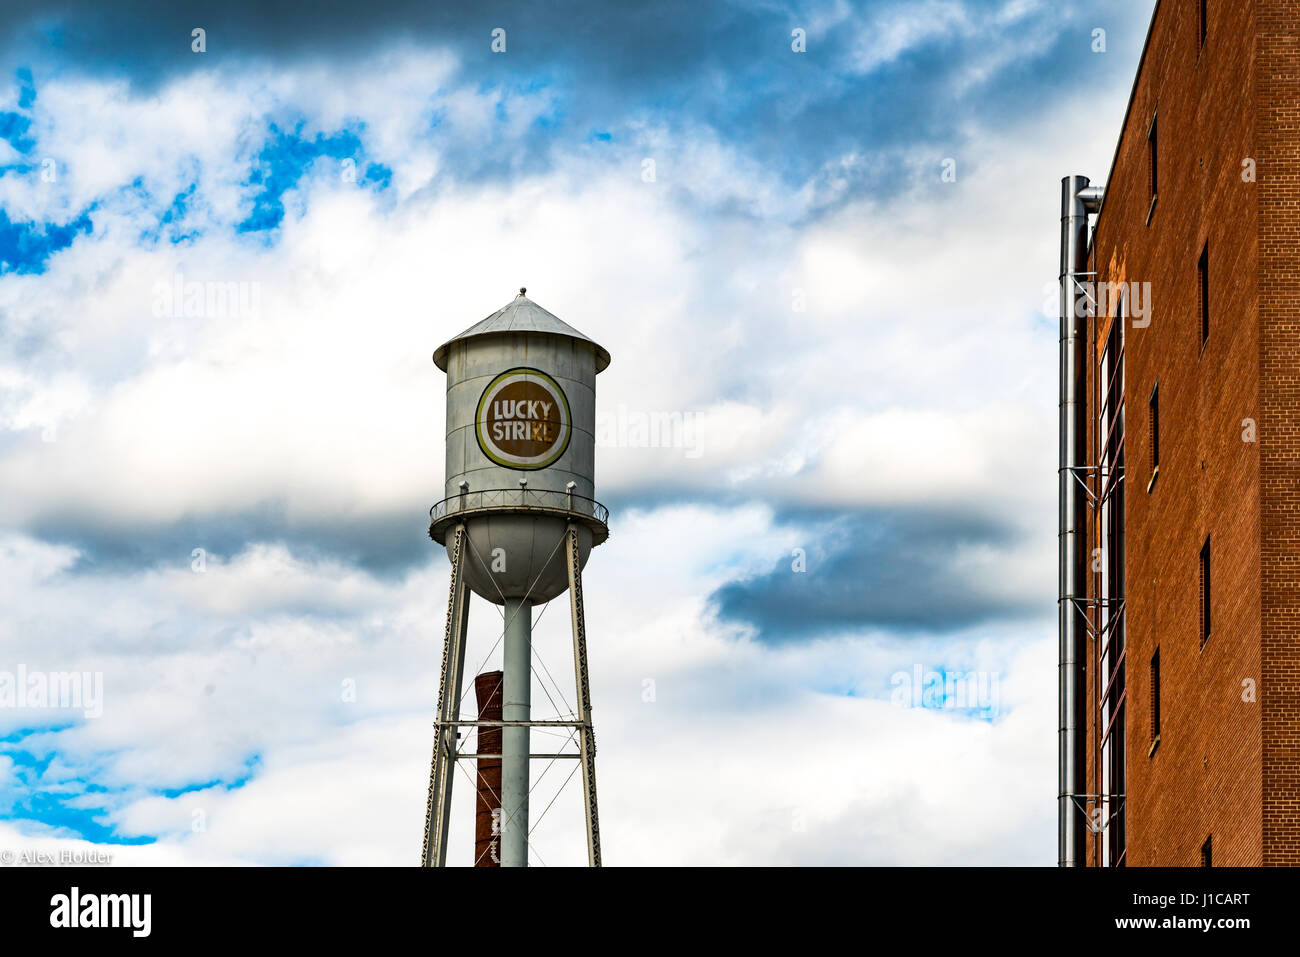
(549, 500)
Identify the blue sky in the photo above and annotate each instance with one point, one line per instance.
(223, 274)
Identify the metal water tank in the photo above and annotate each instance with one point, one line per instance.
(521, 450)
(521, 445)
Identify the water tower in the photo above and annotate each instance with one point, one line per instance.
(518, 519)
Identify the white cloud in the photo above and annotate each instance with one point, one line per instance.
(902, 27)
(687, 777)
(910, 380)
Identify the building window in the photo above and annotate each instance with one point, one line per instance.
(1203, 275)
(1153, 433)
(1151, 160)
(1112, 694)
(1205, 590)
(1204, 21)
(1155, 698)
(1207, 851)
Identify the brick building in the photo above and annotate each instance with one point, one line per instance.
(1180, 612)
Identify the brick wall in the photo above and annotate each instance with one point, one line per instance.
(1277, 78)
(1206, 775)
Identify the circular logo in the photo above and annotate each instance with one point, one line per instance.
(522, 420)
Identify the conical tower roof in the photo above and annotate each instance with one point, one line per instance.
(520, 315)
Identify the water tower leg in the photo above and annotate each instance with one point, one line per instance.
(442, 767)
(516, 695)
(586, 735)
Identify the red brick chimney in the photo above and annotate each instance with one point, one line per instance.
(487, 828)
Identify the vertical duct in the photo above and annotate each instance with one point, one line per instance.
(516, 698)
(487, 813)
(1077, 201)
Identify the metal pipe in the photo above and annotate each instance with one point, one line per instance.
(515, 706)
(1077, 201)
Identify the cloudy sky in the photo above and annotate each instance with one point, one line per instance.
(835, 264)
